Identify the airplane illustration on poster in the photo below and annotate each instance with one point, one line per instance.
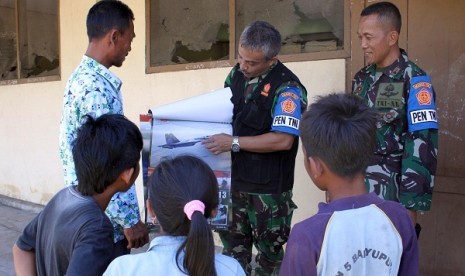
(173, 142)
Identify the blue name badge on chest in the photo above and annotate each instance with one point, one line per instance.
(421, 107)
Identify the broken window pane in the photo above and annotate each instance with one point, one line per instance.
(37, 38)
(186, 31)
(305, 25)
(8, 65)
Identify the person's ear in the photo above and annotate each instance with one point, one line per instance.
(126, 176)
(315, 167)
(393, 37)
(150, 210)
(272, 60)
(214, 212)
(149, 207)
(114, 35)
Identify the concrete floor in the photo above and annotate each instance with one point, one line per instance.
(15, 215)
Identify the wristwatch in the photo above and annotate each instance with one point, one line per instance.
(235, 147)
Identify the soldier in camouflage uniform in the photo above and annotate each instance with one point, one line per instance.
(404, 163)
(268, 102)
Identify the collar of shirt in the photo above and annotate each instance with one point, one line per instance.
(93, 65)
(346, 203)
(167, 240)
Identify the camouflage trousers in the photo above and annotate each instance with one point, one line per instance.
(260, 220)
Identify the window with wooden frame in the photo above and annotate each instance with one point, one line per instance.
(29, 41)
(186, 34)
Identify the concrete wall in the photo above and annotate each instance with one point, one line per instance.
(30, 168)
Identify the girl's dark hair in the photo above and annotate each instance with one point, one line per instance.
(103, 149)
(174, 183)
(106, 15)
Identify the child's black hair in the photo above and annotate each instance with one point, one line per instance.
(103, 149)
(340, 130)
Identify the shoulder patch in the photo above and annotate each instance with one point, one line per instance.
(288, 106)
(421, 108)
(287, 112)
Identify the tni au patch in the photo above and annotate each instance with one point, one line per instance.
(390, 95)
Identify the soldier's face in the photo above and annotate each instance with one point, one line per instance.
(253, 63)
(375, 40)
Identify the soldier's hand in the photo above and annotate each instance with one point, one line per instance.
(218, 143)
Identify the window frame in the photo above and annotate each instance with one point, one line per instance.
(18, 79)
(323, 55)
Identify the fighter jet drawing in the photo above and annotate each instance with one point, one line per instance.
(173, 142)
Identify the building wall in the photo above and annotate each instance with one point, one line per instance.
(30, 168)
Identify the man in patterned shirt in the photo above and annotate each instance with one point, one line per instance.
(93, 89)
(404, 163)
(268, 102)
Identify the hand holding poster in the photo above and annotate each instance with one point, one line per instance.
(179, 129)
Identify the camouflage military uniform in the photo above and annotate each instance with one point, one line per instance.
(404, 163)
(261, 185)
(268, 217)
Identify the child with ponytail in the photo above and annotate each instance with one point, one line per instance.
(183, 194)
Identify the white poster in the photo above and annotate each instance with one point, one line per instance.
(179, 129)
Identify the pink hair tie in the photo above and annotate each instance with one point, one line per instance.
(192, 206)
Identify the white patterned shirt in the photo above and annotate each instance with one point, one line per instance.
(93, 89)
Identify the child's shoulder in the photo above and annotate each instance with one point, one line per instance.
(226, 265)
(316, 222)
(395, 211)
(392, 205)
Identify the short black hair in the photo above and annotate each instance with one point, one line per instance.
(103, 149)
(106, 15)
(387, 12)
(340, 130)
(173, 183)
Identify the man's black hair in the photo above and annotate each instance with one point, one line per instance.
(387, 13)
(106, 15)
